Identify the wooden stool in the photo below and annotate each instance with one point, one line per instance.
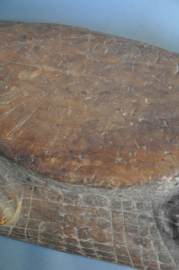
(89, 144)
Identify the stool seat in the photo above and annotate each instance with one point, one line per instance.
(88, 108)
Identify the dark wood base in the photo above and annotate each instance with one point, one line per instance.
(129, 226)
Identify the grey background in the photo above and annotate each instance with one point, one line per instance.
(15, 255)
(154, 21)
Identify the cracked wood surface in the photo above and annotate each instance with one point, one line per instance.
(80, 111)
(131, 226)
(88, 108)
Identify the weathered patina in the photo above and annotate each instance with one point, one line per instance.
(89, 144)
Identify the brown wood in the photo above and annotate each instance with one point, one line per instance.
(93, 119)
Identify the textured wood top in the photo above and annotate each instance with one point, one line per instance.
(88, 108)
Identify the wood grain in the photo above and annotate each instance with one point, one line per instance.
(131, 226)
(89, 144)
(89, 108)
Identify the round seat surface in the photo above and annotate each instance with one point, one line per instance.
(88, 108)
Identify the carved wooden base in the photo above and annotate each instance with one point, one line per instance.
(135, 227)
